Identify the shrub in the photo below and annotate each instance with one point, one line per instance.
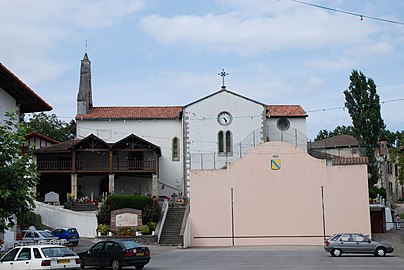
(151, 213)
(151, 225)
(104, 216)
(28, 218)
(116, 201)
(373, 191)
(103, 228)
(144, 229)
(126, 231)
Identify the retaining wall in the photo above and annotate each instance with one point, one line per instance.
(56, 216)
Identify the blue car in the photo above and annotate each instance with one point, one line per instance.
(70, 234)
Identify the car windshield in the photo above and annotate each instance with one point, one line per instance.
(46, 234)
(57, 252)
(130, 244)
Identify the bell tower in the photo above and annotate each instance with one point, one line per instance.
(84, 97)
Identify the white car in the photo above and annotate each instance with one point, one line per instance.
(37, 257)
(38, 235)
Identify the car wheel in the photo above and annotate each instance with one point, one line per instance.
(82, 265)
(139, 266)
(336, 252)
(116, 265)
(380, 251)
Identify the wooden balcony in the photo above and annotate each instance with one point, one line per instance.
(98, 166)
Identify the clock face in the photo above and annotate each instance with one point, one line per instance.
(224, 118)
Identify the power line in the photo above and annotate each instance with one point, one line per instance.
(361, 16)
(343, 108)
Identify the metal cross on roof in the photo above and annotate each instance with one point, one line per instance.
(223, 74)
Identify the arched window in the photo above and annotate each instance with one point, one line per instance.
(176, 149)
(220, 142)
(228, 142)
(224, 140)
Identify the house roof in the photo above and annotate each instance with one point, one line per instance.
(58, 148)
(43, 137)
(173, 112)
(152, 112)
(339, 161)
(67, 146)
(338, 141)
(285, 111)
(28, 100)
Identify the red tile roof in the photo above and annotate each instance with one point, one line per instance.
(29, 101)
(285, 111)
(338, 161)
(154, 112)
(174, 112)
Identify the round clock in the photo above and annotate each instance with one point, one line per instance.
(224, 118)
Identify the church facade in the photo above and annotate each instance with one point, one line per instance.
(153, 149)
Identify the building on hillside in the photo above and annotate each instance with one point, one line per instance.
(37, 140)
(152, 149)
(16, 96)
(388, 174)
(348, 146)
(336, 146)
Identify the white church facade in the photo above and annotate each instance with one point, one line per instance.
(205, 134)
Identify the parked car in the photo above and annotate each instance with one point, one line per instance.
(37, 257)
(37, 235)
(355, 243)
(69, 233)
(115, 254)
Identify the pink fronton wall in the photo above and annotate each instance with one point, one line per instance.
(259, 205)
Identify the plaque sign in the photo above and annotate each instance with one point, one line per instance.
(126, 220)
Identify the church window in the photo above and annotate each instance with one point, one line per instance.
(283, 124)
(228, 142)
(224, 142)
(175, 149)
(220, 142)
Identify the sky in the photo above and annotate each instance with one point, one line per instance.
(169, 52)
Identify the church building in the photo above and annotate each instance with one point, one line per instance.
(152, 149)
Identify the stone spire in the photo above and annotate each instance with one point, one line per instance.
(84, 97)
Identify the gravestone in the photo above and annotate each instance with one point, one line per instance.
(52, 198)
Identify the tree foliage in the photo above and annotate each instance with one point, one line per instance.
(323, 134)
(397, 154)
(17, 173)
(363, 104)
(51, 126)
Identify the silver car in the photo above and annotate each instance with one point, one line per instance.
(355, 243)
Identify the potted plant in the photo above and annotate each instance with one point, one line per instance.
(103, 229)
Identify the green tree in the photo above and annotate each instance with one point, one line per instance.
(363, 105)
(323, 134)
(51, 126)
(17, 173)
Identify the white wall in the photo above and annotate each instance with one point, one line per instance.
(299, 124)
(159, 132)
(203, 127)
(56, 216)
(7, 103)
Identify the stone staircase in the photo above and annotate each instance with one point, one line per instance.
(172, 226)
